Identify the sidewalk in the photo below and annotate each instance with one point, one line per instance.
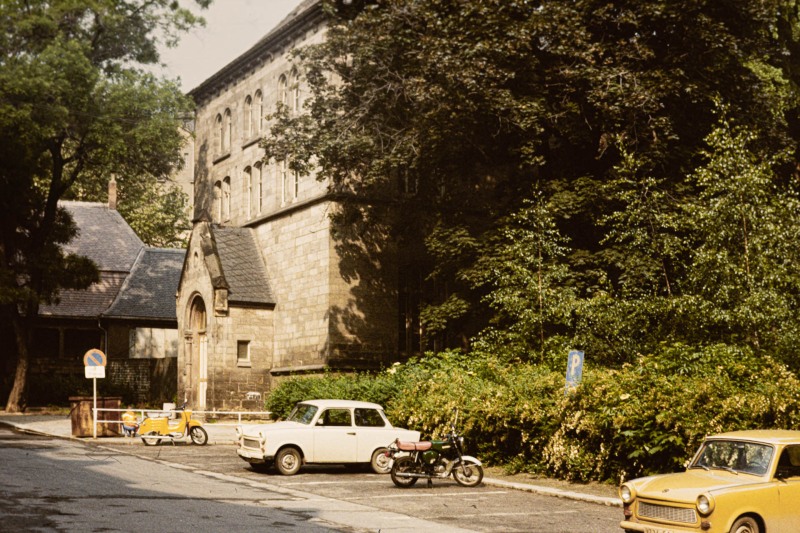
(61, 426)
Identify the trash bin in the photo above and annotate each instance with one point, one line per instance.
(81, 416)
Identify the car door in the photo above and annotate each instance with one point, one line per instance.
(335, 437)
(789, 489)
(372, 432)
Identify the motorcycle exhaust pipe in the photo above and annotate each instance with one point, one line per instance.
(409, 474)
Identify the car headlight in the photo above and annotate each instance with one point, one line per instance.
(705, 504)
(627, 493)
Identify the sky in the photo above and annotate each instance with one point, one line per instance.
(232, 27)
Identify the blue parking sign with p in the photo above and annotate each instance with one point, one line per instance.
(574, 370)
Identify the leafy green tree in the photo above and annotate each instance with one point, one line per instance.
(744, 263)
(75, 107)
(435, 119)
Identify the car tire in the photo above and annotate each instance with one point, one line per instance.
(746, 524)
(380, 463)
(288, 461)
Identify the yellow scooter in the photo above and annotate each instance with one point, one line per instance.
(154, 429)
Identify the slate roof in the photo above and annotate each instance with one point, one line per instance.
(104, 236)
(149, 291)
(88, 303)
(242, 266)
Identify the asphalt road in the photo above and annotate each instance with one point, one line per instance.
(482, 509)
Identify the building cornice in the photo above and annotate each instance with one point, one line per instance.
(267, 47)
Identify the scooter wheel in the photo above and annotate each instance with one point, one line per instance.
(150, 441)
(199, 435)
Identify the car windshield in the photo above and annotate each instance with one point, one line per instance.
(302, 413)
(734, 456)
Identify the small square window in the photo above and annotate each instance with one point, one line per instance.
(243, 353)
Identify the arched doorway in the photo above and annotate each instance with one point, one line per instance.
(197, 352)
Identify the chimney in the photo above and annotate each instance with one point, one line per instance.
(112, 193)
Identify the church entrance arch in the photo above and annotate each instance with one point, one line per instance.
(197, 351)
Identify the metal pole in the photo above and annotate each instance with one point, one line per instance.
(94, 411)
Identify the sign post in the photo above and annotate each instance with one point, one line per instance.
(574, 370)
(94, 362)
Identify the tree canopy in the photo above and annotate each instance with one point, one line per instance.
(604, 175)
(76, 107)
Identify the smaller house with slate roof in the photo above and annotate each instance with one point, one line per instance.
(129, 313)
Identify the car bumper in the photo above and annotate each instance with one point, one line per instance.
(648, 528)
(253, 456)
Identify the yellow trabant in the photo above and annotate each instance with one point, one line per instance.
(738, 482)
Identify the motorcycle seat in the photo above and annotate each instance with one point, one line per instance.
(413, 446)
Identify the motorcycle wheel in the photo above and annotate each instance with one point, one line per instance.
(198, 435)
(403, 465)
(379, 463)
(468, 474)
(150, 441)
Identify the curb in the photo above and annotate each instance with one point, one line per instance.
(558, 493)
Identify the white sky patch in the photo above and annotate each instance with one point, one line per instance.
(232, 27)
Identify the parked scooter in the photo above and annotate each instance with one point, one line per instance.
(154, 429)
(434, 459)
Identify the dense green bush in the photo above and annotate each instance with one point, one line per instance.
(643, 418)
(378, 389)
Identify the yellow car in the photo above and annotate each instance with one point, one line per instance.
(738, 482)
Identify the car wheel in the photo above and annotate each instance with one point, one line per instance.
(380, 463)
(288, 461)
(746, 524)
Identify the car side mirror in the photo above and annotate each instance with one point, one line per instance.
(320, 422)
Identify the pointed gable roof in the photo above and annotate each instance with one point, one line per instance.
(243, 268)
(104, 236)
(149, 291)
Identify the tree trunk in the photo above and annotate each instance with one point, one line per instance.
(18, 397)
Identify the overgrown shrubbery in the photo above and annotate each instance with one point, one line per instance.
(643, 418)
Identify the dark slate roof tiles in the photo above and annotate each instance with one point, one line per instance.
(243, 266)
(149, 291)
(88, 303)
(104, 236)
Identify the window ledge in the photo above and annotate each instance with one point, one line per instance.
(244, 364)
(222, 157)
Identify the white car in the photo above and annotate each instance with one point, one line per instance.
(323, 432)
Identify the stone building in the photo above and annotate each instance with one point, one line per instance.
(266, 291)
(129, 314)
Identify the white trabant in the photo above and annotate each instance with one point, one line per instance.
(323, 431)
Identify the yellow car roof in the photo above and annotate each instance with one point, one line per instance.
(770, 436)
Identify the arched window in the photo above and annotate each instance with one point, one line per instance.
(216, 206)
(248, 190)
(294, 92)
(226, 199)
(258, 111)
(258, 179)
(290, 183)
(227, 131)
(218, 135)
(283, 95)
(247, 120)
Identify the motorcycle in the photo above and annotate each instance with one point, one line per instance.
(434, 459)
(153, 430)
